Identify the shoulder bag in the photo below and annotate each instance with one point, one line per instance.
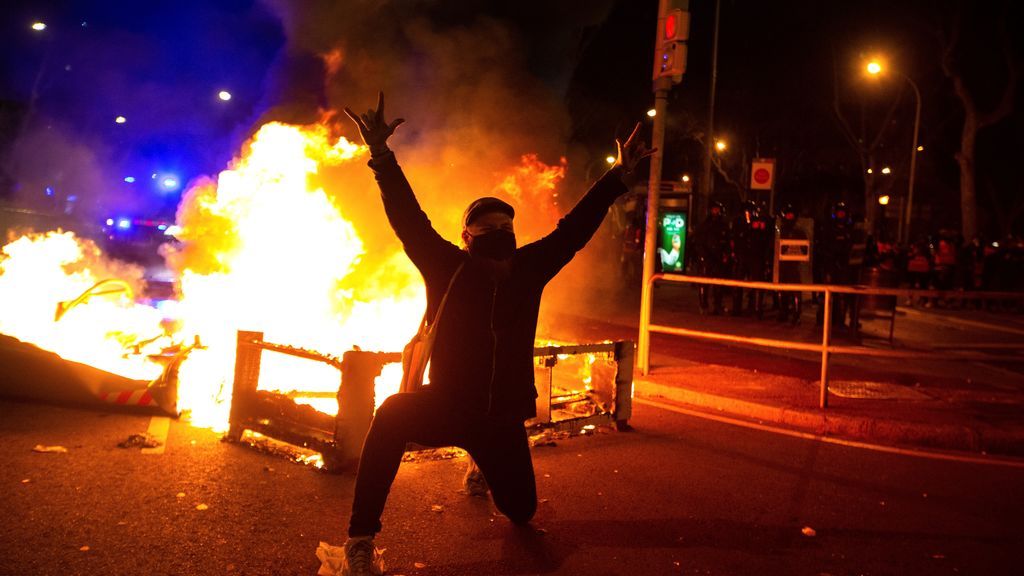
(417, 352)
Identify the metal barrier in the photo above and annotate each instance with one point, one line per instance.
(825, 348)
(339, 439)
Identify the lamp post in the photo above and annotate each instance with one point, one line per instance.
(875, 68)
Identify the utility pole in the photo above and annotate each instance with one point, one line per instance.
(669, 65)
(706, 182)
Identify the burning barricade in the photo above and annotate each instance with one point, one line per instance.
(268, 261)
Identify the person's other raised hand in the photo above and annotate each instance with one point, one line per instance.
(633, 151)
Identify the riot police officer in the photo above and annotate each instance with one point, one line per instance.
(752, 236)
(712, 242)
(833, 249)
(790, 303)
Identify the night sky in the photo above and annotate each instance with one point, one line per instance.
(570, 76)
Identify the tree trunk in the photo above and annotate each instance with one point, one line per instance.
(968, 192)
(869, 192)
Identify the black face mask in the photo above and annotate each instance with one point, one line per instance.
(496, 245)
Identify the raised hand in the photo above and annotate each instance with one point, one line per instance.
(633, 151)
(373, 128)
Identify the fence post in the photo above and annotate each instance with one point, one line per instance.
(826, 332)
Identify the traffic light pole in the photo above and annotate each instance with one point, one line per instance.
(661, 88)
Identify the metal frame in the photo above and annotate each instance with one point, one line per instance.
(340, 438)
(825, 348)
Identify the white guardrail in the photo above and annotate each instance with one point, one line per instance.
(826, 348)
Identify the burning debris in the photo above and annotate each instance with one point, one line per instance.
(266, 248)
(574, 399)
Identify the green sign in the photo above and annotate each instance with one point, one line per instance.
(671, 241)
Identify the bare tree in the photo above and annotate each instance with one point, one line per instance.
(974, 118)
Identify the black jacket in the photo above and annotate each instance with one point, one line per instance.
(483, 352)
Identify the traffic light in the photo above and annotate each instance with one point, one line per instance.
(671, 55)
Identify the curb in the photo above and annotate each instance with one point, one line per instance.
(981, 439)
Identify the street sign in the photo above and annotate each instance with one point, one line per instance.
(794, 250)
(762, 174)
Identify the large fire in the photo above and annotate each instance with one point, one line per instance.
(263, 247)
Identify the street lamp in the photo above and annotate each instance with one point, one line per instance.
(652, 113)
(39, 26)
(224, 95)
(875, 68)
(720, 145)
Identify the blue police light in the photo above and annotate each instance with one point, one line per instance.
(124, 223)
(49, 191)
(129, 179)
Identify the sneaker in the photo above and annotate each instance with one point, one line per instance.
(474, 481)
(362, 558)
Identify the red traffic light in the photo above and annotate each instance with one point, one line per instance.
(671, 25)
(677, 26)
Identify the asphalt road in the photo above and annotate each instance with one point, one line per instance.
(678, 495)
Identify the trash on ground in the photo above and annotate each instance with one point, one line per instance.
(26, 481)
(331, 559)
(809, 532)
(419, 564)
(179, 495)
(49, 449)
(437, 508)
(202, 507)
(139, 440)
(84, 549)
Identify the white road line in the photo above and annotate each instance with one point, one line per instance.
(944, 319)
(991, 460)
(158, 428)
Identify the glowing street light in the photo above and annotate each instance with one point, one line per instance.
(886, 170)
(720, 145)
(610, 159)
(120, 120)
(870, 171)
(686, 177)
(39, 26)
(883, 200)
(652, 112)
(875, 68)
(224, 95)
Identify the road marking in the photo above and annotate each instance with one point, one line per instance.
(941, 319)
(992, 460)
(158, 428)
(1006, 372)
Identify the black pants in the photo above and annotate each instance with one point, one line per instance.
(500, 450)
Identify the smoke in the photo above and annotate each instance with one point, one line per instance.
(57, 172)
(476, 114)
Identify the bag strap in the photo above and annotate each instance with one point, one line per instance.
(444, 299)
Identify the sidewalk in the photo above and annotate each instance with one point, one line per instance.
(975, 407)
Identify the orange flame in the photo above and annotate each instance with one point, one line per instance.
(264, 248)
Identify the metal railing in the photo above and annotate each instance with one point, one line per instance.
(826, 348)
